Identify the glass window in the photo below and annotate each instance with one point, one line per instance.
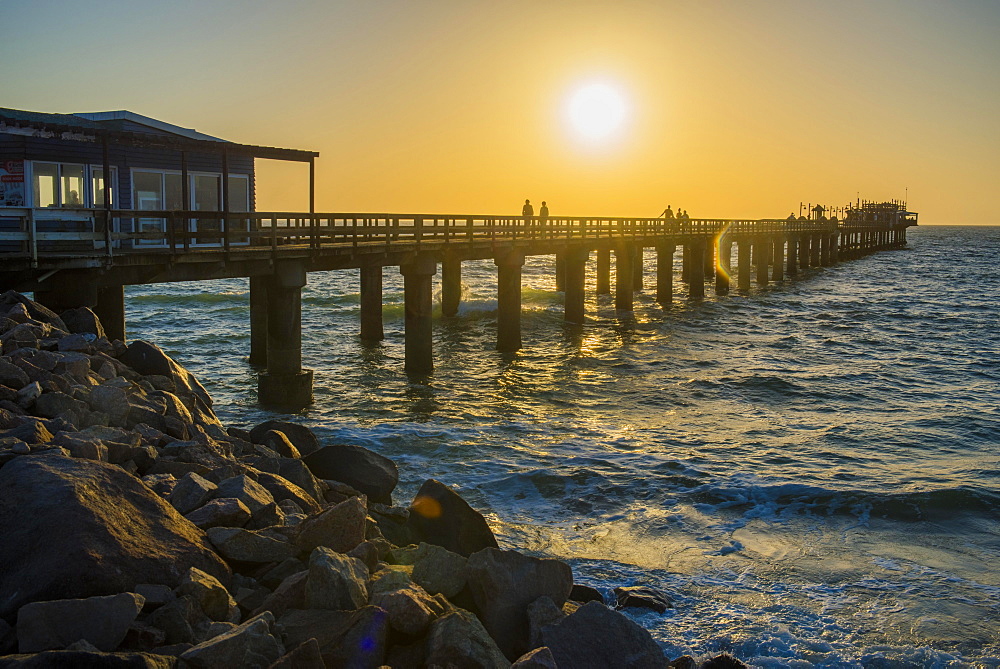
(239, 193)
(97, 185)
(46, 184)
(148, 187)
(72, 186)
(206, 192)
(174, 192)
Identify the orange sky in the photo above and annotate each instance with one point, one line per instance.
(734, 108)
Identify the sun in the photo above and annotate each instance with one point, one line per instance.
(596, 111)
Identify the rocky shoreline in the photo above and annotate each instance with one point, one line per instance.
(137, 531)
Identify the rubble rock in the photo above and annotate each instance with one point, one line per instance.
(438, 570)
(638, 596)
(248, 645)
(101, 621)
(504, 583)
(355, 639)
(340, 527)
(93, 530)
(302, 437)
(237, 544)
(438, 515)
(596, 636)
(540, 658)
(212, 596)
(191, 492)
(225, 512)
(248, 491)
(335, 581)
(459, 639)
(81, 320)
(358, 467)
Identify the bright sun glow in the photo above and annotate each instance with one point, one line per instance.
(596, 111)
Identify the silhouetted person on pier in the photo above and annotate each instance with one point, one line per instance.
(685, 216)
(791, 216)
(668, 213)
(527, 211)
(543, 216)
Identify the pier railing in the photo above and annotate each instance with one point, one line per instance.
(90, 232)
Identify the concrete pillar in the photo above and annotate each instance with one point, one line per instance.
(371, 303)
(804, 251)
(285, 385)
(761, 248)
(576, 281)
(603, 271)
(418, 301)
(258, 321)
(725, 255)
(561, 271)
(637, 268)
(778, 258)
(73, 289)
(110, 308)
(743, 262)
(824, 250)
(509, 300)
(814, 250)
(624, 273)
(665, 273)
(696, 288)
(451, 286)
(792, 266)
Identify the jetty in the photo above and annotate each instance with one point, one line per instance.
(91, 203)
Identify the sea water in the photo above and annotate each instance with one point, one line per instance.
(811, 471)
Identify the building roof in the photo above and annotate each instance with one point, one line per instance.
(111, 126)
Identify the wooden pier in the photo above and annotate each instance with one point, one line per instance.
(89, 264)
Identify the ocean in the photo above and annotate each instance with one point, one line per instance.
(810, 471)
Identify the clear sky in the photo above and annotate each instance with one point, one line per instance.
(728, 109)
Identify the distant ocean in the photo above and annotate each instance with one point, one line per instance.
(811, 471)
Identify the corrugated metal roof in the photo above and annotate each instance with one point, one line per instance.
(77, 124)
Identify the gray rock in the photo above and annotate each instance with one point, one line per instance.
(291, 594)
(12, 376)
(504, 583)
(358, 467)
(304, 656)
(541, 613)
(340, 527)
(249, 546)
(642, 597)
(101, 621)
(438, 515)
(270, 516)
(82, 343)
(298, 473)
(335, 581)
(279, 443)
(301, 436)
(84, 659)
(191, 492)
(178, 619)
(411, 610)
(104, 532)
(32, 432)
(459, 639)
(149, 359)
(597, 637)
(540, 658)
(82, 320)
(438, 570)
(355, 639)
(248, 491)
(155, 594)
(212, 596)
(584, 593)
(282, 489)
(112, 400)
(27, 395)
(249, 645)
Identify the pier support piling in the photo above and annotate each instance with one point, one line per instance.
(371, 303)
(743, 265)
(576, 276)
(792, 266)
(451, 286)
(623, 278)
(418, 305)
(761, 254)
(603, 271)
(509, 300)
(285, 385)
(778, 259)
(77, 289)
(665, 273)
(804, 251)
(110, 309)
(258, 321)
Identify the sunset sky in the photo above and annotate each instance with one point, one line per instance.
(726, 109)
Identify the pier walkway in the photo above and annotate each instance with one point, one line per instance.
(72, 258)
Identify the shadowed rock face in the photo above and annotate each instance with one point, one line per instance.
(439, 516)
(149, 359)
(78, 528)
(358, 467)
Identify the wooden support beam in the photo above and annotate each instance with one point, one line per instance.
(371, 303)
(509, 301)
(665, 273)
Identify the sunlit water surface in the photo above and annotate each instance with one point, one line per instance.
(811, 471)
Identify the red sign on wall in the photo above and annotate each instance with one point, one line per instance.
(11, 183)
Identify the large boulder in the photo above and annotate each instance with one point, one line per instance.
(149, 359)
(302, 437)
(248, 645)
(358, 467)
(458, 639)
(82, 319)
(335, 581)
(596, 637)
(54, 625)
(80, 528)
(505, 583)
(340, 527)
(439, 515)
(355, 639)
